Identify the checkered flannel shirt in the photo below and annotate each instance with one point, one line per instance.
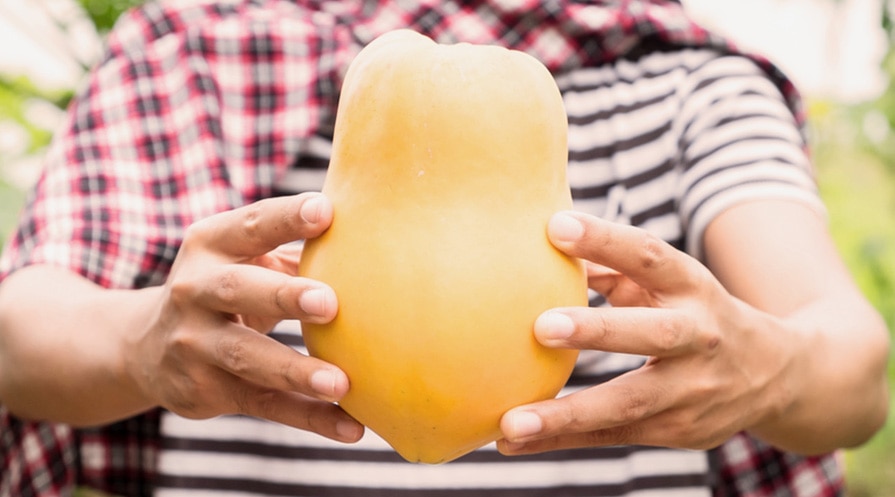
(243, 84)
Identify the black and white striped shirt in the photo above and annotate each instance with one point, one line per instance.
(665, 141)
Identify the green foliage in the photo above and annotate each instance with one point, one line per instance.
(104, 13)
(15, 94)
(857, 182)
(11, 199)
(859, 190)
(885, 104)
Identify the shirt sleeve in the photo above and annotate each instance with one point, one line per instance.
(195, 110)
(738, 142)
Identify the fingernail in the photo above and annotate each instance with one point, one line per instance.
(564, 227)
(349, 430)
(554, 326)
(317, 301)
(311, 209)
(512, 446)
(524, 424)
(323, 381)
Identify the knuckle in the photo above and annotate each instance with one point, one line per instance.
(183, 289)
(607, 328)
(233, 355)
(284, 300)
(602, 328)
(191, 409)
(619, 435)
(574, 417)
(240, 399)
(670, 333)
(314, 422)
(195, 233)
(252, 220)
(251, 226)
(653, 251)
(180, 343)
(187, 400)
(226, 286)
(703, 390)
(712, 341)
(261, 403)
(700, 281)
(706, 388)
(287, 374)
(635, 405)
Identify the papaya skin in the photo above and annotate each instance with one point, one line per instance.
(447, 163)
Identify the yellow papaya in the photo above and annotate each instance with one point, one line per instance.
(447, 163)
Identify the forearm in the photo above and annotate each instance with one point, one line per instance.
(62, 347)
(838, 394)
(825, 345)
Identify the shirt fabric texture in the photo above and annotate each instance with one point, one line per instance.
(200, 107)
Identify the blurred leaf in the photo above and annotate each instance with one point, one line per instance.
(857, 182)
(15, 96)
(886, 19)
(27, 89)
(11, 200)
(104, 13)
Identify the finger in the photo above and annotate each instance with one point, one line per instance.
(666, 429)
(598, 271)
(628, 330)
(263, 361)
(646, 259)
(618, 289)
(284, 258)
(246, 289)
(260, 227)
(294, 409)
(621, 435)
(260, 324)
(619, 405)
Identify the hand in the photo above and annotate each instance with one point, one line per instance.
(205, 353)
(717, 366)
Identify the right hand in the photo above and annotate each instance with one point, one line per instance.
(205, 352)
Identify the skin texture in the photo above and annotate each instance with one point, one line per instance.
(797, 357)
(777, 341)
(195, 346)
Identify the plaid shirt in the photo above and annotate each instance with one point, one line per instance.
(199, 107)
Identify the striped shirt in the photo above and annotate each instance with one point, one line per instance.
(201, 106)
(663, 141)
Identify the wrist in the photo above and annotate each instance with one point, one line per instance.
(835, 378)
(779, 421)
(135, 365)
(771, 358)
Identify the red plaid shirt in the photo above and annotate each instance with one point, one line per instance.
(200, 108)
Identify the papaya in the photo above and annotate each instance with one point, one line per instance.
(448, 161)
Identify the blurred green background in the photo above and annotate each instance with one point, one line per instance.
(854, 150)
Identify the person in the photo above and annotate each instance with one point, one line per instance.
(726, 351)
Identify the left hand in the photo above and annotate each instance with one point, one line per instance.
(716, 365)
